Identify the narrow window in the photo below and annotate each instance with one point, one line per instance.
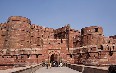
(101, 47)
(38, 45)
(61, 41)
(113, 47)
(23, 30)
(27, 56)
(91, 48)
(2, 35)
(36, 56)
(22, 40)
(58, 43)
(96, 29)
(111, 53)
(71, 56)
(22, 57)
(15, 20)
(32, 28)
(16, 57)
(38, 37)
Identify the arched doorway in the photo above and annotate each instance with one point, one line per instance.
(54, 57)
(54, 60)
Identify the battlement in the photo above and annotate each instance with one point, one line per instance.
(18, 18)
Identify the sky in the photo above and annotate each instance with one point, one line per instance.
(58, 13)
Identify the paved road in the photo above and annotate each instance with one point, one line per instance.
(56, 70)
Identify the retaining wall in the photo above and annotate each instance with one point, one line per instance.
(88, 69)
(27, 69)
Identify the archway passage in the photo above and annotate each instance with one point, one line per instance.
(54, 57)
(54, 60)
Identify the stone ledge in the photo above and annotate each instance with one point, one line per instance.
(88, 69)
(94, 70)
(27, 69)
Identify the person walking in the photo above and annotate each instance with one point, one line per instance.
(47, 65)
(50, 65)
(61, 64)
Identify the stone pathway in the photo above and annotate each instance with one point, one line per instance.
(56, 70)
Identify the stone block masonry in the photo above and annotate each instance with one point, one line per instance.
(24, 43)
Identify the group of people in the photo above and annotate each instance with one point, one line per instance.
(52, 64)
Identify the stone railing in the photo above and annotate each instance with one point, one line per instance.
(27, 69)
(88, 69)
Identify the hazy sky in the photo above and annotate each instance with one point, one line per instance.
(57, 13)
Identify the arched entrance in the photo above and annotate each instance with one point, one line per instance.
(54, 57)
(54, 60)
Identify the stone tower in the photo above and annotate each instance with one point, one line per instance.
(18, 33)
(91, 35)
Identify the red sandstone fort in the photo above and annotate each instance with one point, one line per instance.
(24, 43)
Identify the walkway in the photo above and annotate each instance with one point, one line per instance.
(56, 70)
